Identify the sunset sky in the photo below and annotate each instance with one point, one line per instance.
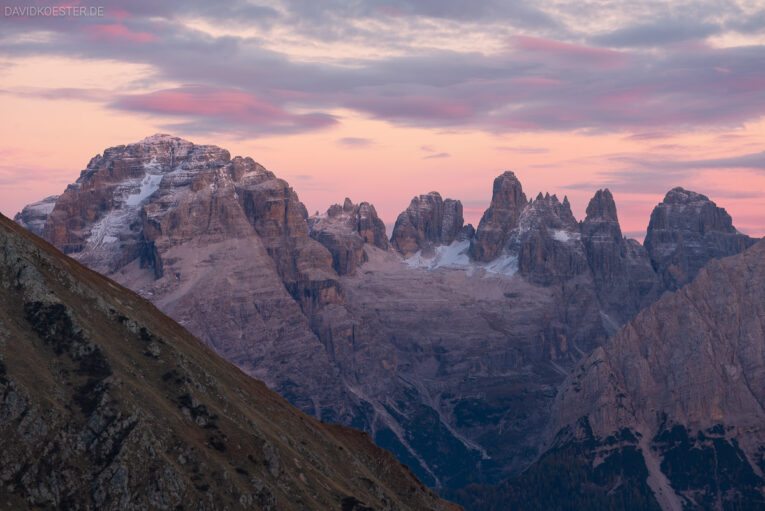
(381, 100)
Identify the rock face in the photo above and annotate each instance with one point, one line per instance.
(624, 278)
(105, 403)
(507, 202)
(344, 230)
(448, 350)
(548, 242)
(219, 244)
(429, 220)
(686, 231)
(34, 215)
(667, 414)
(687, 378)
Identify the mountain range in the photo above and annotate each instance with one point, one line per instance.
(459, 349)
(106, 403)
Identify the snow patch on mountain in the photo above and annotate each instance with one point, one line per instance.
(505, 264)
(455, 256)
(149, 185)
(564, 236)
(446, 256)
(116, 222)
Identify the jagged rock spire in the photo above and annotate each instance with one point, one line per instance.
(507, 202)
(429, 220)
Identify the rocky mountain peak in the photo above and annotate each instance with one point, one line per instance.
(344, 230)
(549, 210)
(547, 241)
(100, 216)
(603, 235)
(428, 221)
(686, 230)
(170, 218)
(624, 279)
(34, 216)
(498, 221)
(602, 207)
(507, 192)
(680, 195)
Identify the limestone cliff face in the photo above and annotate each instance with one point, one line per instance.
(621, 268)
(687, 373)
(105, 403)
(498, 221)
(548, 242)
(686, 231)
(695, 357)
(344, 230)
(429, 220)
(219, 244)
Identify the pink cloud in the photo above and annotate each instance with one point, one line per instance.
(423, 107)
(118, 31)
(224, 106)
(119, 14)
(206, 102)
(536, 81)
(627, 96)
(596, 56)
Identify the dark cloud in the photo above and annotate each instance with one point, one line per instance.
(478, 10)
(658, 33)
(744, 161)
(437, 155)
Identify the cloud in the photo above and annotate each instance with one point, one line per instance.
(569, 53)
(754, 161)
(207, 108)
(414, 109)
(64, 93)
(117, 31)
(650, 135)
(437, 155)
(745, 161)
(658, 33)
(355, 142)
(549, 81)
(459, 10)
(523, 149)
(638, 173)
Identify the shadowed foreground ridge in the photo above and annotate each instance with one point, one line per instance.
(105, 403)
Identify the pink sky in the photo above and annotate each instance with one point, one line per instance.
(402, 98)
